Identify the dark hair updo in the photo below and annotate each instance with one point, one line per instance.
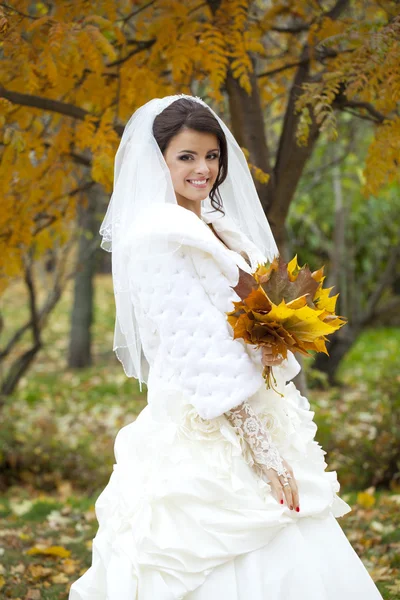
(190, 114)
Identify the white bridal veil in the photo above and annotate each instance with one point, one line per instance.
(142, 183)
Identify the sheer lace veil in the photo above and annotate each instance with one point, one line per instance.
(142, 183)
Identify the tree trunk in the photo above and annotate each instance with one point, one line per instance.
(80, 343)
(291, 158)
(247, 122)
(35, 323)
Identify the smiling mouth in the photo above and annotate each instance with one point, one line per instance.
(198, 183)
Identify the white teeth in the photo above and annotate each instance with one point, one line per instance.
(197, 181)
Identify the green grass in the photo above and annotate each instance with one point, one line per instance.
(70, 522)
(366, 360)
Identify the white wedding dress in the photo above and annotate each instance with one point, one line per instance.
(185, 516)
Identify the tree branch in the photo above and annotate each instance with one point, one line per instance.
(342, 103)
(32, 303)
(60, 279)
(46, 104)
(385, 280)
(391, 306)
(80, 160)
(21, 364)
(291, 158)
(283, 68)
(50, 219)
(332, 14)
(136, 12)
(294, 29)
(320, 54)
(139, 48)
(191, 11)
(214, 5)
(337, 10)
(18, 11)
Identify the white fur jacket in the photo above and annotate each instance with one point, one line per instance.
(180, 302)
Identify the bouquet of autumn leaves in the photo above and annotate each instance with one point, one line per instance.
(284, 306)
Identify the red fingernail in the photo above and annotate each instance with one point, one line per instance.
(281, 501)
(298, 508)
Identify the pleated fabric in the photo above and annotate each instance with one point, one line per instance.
(184, 516)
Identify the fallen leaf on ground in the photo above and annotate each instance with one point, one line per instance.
(33, 594)
(59, 578)
(20, 507)
(50, 551)
(38, 572)
(395, 589)
(20, 568)
(365, 499)
(70, 566)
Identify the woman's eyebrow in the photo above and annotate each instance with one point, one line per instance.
(193, 152)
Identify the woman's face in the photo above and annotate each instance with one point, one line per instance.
(193, 160)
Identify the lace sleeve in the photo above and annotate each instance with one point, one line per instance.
(248, 426)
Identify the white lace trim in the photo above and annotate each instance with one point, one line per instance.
(249, 428)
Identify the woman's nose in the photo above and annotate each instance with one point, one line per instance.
(202, 168)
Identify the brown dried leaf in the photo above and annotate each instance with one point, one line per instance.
(245, 284)
(39, 572)
(33, 594)
(280, 287)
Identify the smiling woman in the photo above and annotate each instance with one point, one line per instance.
(219, 488)
(193, 171)
(195, 150)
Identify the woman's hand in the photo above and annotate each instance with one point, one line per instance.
(268, 359)
(280, 491)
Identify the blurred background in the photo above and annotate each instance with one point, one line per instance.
(311, 91)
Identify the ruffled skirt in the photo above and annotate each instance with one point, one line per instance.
(184, 515)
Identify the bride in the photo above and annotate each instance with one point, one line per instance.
(219, 491)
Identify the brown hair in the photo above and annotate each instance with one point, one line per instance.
(190, 114)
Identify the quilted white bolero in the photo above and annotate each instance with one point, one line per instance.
(180, 302)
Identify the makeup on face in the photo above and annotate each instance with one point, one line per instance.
(193, 160)
(199, 182)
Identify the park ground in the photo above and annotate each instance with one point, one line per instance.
(57, 453)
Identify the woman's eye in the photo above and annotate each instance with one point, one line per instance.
(212, 156)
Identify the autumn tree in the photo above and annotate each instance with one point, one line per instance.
(333, 223)
(73, 73)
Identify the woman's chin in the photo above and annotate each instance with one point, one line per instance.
(198, 194)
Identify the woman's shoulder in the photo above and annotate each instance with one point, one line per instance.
(171, 230)
(167, 220)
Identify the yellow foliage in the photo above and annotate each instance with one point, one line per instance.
(258, 173)
(367, 66)
(382, 164)
(108, 57)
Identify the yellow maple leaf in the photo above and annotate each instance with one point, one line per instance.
(293, 268)
(298, 302)
(323, 300)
